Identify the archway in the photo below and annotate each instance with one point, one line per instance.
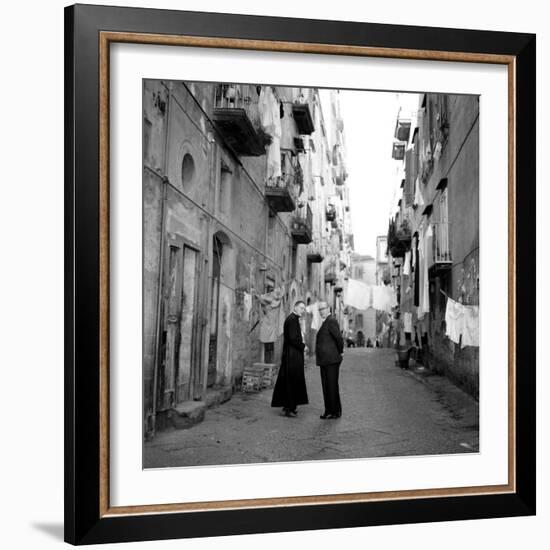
(221, 305)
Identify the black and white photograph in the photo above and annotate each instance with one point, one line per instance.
(310, 273)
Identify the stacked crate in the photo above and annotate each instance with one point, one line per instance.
(259, 376)
(269, 374)
(252, 378)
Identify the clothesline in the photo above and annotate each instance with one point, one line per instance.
(461, 322)
(449, 298)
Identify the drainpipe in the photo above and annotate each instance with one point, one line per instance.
(161, 263)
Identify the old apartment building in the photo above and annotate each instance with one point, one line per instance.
(245, 212)
(433, 238)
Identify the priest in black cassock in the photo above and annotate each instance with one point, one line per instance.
(290, 388)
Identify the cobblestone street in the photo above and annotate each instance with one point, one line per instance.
(386, 412)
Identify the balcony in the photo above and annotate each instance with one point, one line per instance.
(280, 195)
(237, 118)
(402, 129)
(331, 275)
(398, 151)
(302, 225)
(442, 260)
(303, 118)
(399, 238)
(316, 251)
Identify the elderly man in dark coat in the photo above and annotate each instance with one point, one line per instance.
(328, 351)
(290, 388)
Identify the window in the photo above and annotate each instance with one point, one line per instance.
(359, 320)
(187, 170)
(224, 191)
(147, 129)
(294, 261)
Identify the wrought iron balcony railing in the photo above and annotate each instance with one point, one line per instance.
(302, 226)
(237, 117)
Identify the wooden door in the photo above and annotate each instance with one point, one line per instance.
(214, 311)
(171, 329)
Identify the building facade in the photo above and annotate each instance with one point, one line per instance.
(362, 322)
(244, 201)
(433, 238)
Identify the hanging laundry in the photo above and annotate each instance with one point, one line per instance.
(274, 159)
(270, 119)
(407, 263)
(247, 306)
(391, 297)
(378, 298)
(384, 298)
(437, 150)
(424, 247)
(407, 321)
(418, 200)
(282, 318)
(316, 320)
(269, 109)
(357, 294)
(416, 273)
(454, 320)
(270, 317)
(470, 334)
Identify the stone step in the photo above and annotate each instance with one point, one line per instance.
(187, 414)
(217, 396)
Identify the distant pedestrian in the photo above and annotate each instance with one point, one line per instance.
(290, 388)
(328, 350)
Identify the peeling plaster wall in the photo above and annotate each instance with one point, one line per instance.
(223, 195)
(459, 163)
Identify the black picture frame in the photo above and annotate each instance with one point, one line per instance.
(86, 520)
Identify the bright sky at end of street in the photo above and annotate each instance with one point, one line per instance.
(374, 176)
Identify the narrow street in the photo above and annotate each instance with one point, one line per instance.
(386, 412)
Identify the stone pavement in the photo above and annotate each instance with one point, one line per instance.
(386, 412)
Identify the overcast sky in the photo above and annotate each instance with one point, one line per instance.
(374, 177)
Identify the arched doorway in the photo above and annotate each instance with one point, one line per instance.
(221, 303)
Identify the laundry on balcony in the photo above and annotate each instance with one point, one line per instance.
(418, 199)
(407, 263)
(424, 249)
(237, 118)
(268, 107)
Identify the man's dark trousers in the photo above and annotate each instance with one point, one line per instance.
(331, 390)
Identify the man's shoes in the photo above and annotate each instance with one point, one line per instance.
(290, 413)
(327, 416)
